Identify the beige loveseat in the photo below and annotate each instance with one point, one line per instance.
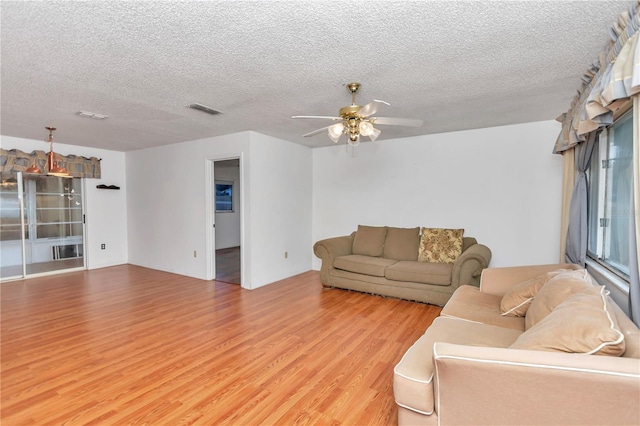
(399, 262)
(480, 363)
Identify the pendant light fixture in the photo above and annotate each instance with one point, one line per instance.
(52, 166)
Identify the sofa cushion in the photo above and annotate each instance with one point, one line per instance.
(470, 304)
(369, 240)
(557, 289)
(401, 243)
(516, 300)
(413, 375)
(419, 272)
(439, 245)
(583, 323)
(366, 265)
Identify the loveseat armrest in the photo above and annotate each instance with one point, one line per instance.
(330, 248)
(497, 386)
(499, 280)
(469, 265)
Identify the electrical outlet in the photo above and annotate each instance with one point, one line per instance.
(103, 246)
(286, 254)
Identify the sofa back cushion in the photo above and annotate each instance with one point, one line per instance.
(439, 245)
(401, 243)
(583, 323)
(555, 291)
(369, 240)
(517, 299)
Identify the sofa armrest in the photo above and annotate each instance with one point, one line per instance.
(499, 280)
(469, 265)
(328, 250)
(480, 385)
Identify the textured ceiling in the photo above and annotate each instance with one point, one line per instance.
(454, 64)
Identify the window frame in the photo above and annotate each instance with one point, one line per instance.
(600, 154)
(232, 195)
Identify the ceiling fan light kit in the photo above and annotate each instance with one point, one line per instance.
(355, 120)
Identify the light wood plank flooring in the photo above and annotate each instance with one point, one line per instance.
(129, 345)
(228, 265)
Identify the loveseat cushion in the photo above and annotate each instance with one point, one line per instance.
(584, 323)
(556, 290)
(366, 265)
(413, 375)
(420, 272)
(470, 304)
(401, 243)
(369, 240)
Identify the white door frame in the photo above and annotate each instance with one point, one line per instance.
(210, 249)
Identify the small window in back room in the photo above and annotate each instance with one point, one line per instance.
(224, 196)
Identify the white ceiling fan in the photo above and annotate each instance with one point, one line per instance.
(355, 120)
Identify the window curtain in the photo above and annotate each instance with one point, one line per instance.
(576, 240)
(14, 160)
(634, 253)
(610, 82)
(606, 85)
(568, 184)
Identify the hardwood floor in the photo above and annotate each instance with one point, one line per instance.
(228, 265)
(129, 345)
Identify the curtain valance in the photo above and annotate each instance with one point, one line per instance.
(14, 160)
(612, 79)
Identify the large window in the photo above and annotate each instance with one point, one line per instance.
(610, 179)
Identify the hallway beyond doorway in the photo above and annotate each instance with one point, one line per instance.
(228, 265)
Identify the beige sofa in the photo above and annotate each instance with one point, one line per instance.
(475, 365)
(384, 261)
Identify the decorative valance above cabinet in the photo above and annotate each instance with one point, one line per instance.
(14, 160)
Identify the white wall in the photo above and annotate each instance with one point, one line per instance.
(501, 184)
(106, 213)
(167, 206)
(281, 196)
(228, 223)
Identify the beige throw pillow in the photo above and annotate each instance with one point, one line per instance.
(516, 301)
(555, 291)
(369, 240)
(439, 245)
(583, 323)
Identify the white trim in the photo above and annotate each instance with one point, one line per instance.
(460, 319)
(516, 307)
(414, 410)
(531, 365)
(603, 295)
(395, 369)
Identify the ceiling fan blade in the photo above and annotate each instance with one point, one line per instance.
(317, 116)
(372, 107)
(393, 121)
(315, 132)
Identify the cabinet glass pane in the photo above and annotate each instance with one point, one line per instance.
(58, 215)
(10, 209)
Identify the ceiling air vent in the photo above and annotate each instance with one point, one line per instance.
(204, 108)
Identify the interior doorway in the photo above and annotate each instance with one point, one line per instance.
(227, 220)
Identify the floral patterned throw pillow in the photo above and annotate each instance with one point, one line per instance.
(439, 245)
